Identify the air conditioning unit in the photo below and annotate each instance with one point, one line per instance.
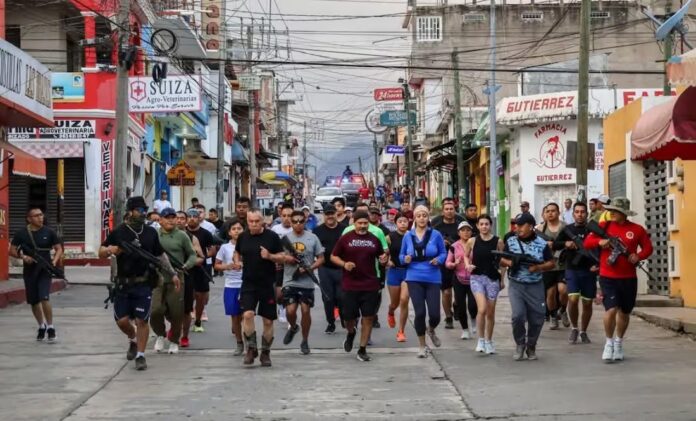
(532, 16)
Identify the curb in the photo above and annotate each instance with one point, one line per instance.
(674, 324)
(18, 296)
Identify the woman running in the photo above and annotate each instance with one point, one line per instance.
(462, 288)
(396, 275)
(224, 261)
(486, 281)
(423, 251)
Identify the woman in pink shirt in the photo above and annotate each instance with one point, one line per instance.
(462, 290)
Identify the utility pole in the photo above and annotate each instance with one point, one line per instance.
(493, 159)
(252, 121)
(583, 95)
(410, 182)
(668, 46)
(360, 164)
(304, 159)
(458, 131)
(118, 199)
(279, 125)
(374, 146)
(222, 50)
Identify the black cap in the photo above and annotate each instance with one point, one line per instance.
(525, 218)
(167, 212)
(375, 209)
(135, 202)
(330, 209)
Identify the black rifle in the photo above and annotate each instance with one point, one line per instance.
(581, 250)
(299, 258)
(180, 266)
(543, 236)
(618, 248)
(517, 258)
(54, 271)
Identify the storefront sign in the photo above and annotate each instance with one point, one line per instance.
(68, 87)
(181, 174)
(389, 94)
(249, 82)
(537, 107)
(264, 194)
(210, 24)
(630, 95)
(550, 156)
(25, 85)
(63, 129)
(173, 94)
(106, 187)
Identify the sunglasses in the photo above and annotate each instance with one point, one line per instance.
(298, 221)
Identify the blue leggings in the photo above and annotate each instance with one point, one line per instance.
(424, 294)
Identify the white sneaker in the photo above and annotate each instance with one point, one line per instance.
(281, 315)
(489, 347)
(159, 344)
(423, 352)
(608, 354)
(173, 348)
(618, 351)
(465, 335)
(480, 346)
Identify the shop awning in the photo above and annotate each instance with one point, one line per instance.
(53, 149)
(667, 131)
(239, 153)
(22, 163)
(279, 183)
(278, 176)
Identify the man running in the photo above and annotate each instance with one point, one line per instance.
(205, 224)
(568, 212)
(438, 219)
(201, 282)
(356, 252)
(135, 278)
(298, 287)
(340, 204)
(554, 280)
(329, 274)
(282, 229)
(448, 227)
(38, 238)
(241, 207)
(618, 278)
(526, 292)
(471, 216)
(258, 251)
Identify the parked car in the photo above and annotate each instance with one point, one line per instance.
(325, 195)
(350, 191)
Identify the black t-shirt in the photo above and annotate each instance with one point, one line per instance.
(328, 237)
(45, 238)
(134, 265)
(395, 241)
(449, 232)
(582, 263)
(217, 224)
(258, 272)
(206, 240)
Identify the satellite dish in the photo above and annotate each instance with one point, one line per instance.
(673, 22)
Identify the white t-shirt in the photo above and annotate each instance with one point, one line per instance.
(233, 278)
(208, 226)
(159, 205)
(281, 230)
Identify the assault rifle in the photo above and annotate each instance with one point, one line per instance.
(618, 248)
(44, 264)
(581, 250)
(517, 258)
(180, 266)
(299, 258)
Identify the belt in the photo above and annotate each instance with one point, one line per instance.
(132, 279)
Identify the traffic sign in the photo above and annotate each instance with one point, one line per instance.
(389, 94)
(396, 118)
(181, 174)
(372, 123)
(395, 150)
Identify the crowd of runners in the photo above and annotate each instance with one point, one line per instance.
(451, 265)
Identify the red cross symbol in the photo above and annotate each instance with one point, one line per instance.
(137, 91)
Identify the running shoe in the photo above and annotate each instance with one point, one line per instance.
(51, 332)
(400, 336)
(184, 342)
(465, 335)
(573, 338)
(608, 354)
(554, 323)
(423, 352)
(449, 323)
(173, 349)
(198, 328)
(363, 356)
(337, 314)
(531, 353)
(265, 359)
(584, 338)
(330, 329)
(480, 345)
(433, 338)
(304, 348)
(159, 344)
(204, 316)
(519, 353)
(489, 347)
(132, 351)
(348, 342)
(391, 320)
(290, 334)
(41, 333)
(239, 350)
(140, 363)
(564, 319)
(375, 324)
(618, 351)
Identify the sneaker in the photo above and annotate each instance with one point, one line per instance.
(198, 329)
(132, 351)
(363, 356)
(465, 335)
(140, 363)
(304, 348)
(519, 353)
(400, 336)
(330, 329)
(250, 356)
(173, 348)
(531, 353)
(489, 347)
(480, 346)
(433, 337)
(618, 351)
(608, 354)
(41, 333)
(564, 319)
(239, 350)
(337, 314)
(554, 324)
(204, 316)
(51, 332)
(348, 342)
(449, 323)
(584, 338)
(391, 320)
(159, 344)
(423, 352)
(376, 325)
(184, 342)
(265, 359)
(573, 338)
(282, 315)
(290, 334)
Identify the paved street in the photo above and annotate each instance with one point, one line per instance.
(85, 375)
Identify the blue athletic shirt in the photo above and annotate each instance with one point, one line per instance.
(423, 271)
(533, 246)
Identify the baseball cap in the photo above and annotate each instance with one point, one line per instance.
(192, 212)
(166, 212)
(604, 199)
(375, 209)
(525, 218)
(305, 207)
(330, 209)
(349, 209)
(392, 212)
(463, 225)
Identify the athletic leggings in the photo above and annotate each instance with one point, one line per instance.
(424, 294)
(465, 300)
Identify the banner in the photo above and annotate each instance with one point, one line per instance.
(173, 94)
(106, 187)
(62, 130)
(68, 87)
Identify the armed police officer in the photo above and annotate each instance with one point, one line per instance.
(131, 243)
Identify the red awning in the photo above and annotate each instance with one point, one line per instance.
(22, 163)
(667, 131)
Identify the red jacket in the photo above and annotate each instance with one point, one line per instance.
(633, 236)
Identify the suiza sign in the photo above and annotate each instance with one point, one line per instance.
(173, 94)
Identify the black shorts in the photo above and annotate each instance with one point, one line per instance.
(188, 294)
(133, 302)
(619, 293)
(294, 295)
(447, 276)
(37, 289)
(551, 278)
(360, 303)
(260, 301)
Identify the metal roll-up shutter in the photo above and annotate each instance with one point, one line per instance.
(656, 190)
(19, 202)
(617, 180)
(74, 198)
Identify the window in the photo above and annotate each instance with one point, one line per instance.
(617, 180)
(13, 35)
(533, 16)
(429, 28)
(672, 215)
(671, 173)
(673, 259)
(474, 18)
(599, 14)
